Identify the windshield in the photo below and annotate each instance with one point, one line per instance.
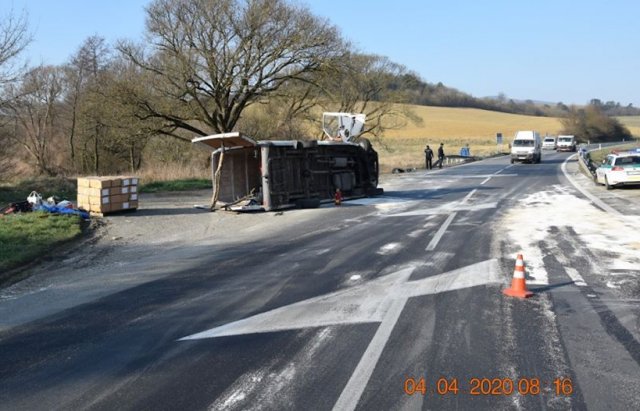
(549, 140)
(523, 143)
(625, 161)
(565, 140)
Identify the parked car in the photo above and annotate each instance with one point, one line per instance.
(566, 143)
(549, 143)
(619, 168)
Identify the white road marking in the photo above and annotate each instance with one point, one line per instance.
(352, 392)
(445, 209)
(468, 196)
(497, 174)
(463, 176)
(575, 276)
(443, 228)
(381, 300)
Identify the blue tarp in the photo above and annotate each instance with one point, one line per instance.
(63, 210)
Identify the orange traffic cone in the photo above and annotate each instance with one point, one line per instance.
(518, 283)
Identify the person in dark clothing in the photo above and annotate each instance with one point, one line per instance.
(440, 155)
(428, 157)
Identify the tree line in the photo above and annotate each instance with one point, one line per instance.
(265, 67)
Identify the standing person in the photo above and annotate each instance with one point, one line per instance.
(440, 155)
(428, 157)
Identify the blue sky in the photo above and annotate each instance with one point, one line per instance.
(553, 51)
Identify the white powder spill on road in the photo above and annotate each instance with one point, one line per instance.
(610, 237)
(389, 249)
(271, 386)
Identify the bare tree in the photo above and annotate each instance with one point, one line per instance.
(355, 83)
(211, 59)
(81, 75)
(33, 108)
(14, 38)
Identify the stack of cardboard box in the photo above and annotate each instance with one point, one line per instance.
(107, 194)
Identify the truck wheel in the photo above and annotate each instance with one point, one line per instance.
(606, 183)
(511, 161)
(595, 180)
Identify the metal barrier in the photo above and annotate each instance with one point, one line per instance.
(456, 159)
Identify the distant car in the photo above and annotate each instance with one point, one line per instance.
(619, 168)
(549, 143)
(566, 143)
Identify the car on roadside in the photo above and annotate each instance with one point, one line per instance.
(619, 168)
(549, 143)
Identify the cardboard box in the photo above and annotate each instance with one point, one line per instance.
(133, 197)
(93, 192)
(83, 182)
(134, 189)
(100, 182)
(82, 199)
(133, 204)
(99, 200)
(125, 189)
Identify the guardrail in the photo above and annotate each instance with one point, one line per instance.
(584, 159)
(456, 159)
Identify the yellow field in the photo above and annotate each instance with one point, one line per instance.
(632, 123)
(455, 127)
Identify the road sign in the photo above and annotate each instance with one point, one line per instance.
(499, 138)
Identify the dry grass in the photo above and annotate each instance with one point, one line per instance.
(455, 127)
(632, 123)
(173, 171)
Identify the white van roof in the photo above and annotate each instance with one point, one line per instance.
(526, 135)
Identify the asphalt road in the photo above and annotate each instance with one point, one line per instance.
(346, 307)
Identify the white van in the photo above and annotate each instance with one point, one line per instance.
(549, 143)
(526, 146)
(566, 143)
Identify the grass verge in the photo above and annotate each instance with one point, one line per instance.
(60, 187)
(598, 155)
(175, 185)
(28, 236)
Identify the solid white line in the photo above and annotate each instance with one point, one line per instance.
(357, 383)
(486, 180)
(595, 200)
(575, 276)
(436, 238)
(468, 196)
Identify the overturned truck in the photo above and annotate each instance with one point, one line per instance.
(269, 175)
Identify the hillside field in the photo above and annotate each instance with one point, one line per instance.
(455, 127)
(632, 123)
